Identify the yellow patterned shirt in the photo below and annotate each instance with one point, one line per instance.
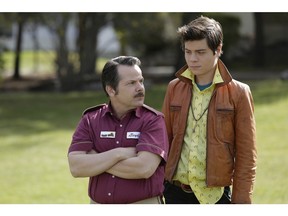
(191, 168)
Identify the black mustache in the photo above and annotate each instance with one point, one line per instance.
(140, 94)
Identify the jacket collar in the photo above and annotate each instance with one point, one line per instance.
(225, 74)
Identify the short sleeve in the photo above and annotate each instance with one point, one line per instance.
(81, 140)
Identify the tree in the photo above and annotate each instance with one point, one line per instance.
(89, 25)
(65, 70)
(21, 20)
(143, 33)
(259, 40)
(73, 72)
(20, 24)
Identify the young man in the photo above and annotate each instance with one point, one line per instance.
(210, 122)
(122, 146)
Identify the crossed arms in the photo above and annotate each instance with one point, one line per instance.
(121, 162)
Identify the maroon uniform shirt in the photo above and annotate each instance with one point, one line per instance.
(143, 128)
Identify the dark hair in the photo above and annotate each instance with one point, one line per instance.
(202, 28)
(110, 70)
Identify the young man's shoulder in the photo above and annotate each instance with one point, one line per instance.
(177, 85)
(239, 85)
(152, 110)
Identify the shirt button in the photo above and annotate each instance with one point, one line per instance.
(113, 176)
(109, 194)
(120, 125)
(117, 142)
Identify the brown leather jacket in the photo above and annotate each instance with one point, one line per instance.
(231, 133)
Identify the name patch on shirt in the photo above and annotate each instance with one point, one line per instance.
(133, 135)
(107, 134)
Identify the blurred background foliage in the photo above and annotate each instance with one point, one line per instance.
(255, 45)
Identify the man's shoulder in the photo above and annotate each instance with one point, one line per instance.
(180, 84)
(152, 110)
(239, 85)
(94, 108)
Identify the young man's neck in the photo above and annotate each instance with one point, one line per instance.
(204, 80)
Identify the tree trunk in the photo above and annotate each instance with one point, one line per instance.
(87, 43)
(62, 51)
(259, 40)
(16, 74)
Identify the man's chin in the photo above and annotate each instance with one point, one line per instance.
(139, 103)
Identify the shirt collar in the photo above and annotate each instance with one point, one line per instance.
(136, 111)
(217, 76)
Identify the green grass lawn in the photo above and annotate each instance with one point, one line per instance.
(271, 110)
(36, 130)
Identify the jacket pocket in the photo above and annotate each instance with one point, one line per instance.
(225, 125)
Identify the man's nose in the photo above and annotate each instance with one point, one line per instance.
(193, 57)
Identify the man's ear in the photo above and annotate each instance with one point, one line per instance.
(219, 51)
(110, 91)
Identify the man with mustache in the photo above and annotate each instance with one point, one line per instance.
(121, 146)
